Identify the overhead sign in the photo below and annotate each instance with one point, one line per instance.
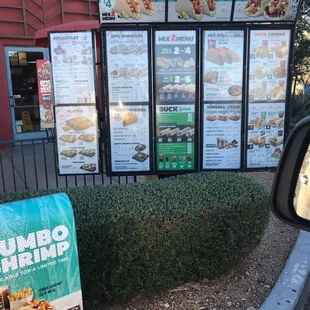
(132, 11)
(39, 265)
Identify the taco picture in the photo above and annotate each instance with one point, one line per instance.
(189, 9)
(146, 7)
(255, 8)
(127, 8)
(208, 7)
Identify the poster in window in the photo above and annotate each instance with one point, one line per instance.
(175, 86)
(45, 94)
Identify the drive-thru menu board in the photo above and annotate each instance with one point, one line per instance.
(199, 10)
(77, 139)
(269, 57)
(175, 92)
(222, 98)
(266, 10)
(73, 67)
(129, 111)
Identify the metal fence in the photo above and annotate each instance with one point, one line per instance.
(30, 165)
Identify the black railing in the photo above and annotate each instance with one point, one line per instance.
(30, 165)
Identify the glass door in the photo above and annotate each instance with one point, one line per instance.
(23, 90)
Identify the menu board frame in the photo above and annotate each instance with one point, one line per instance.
(96, 105)
(106, 100)
(183, 27)
(243, 99)
(288, 97)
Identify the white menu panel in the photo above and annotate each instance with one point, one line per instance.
(223, 65)
(222, 136)
(73, 67)
(130, 139)
(269, 57)
(77, 139)
(127, 63)
(265, 134)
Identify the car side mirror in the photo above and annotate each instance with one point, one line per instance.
(291, 188)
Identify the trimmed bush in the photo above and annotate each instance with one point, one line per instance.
(151, 236)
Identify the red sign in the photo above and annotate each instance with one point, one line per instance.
(45, 93)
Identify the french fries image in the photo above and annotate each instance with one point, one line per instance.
(24, 293)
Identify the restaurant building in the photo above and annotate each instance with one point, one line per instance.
(19, 21)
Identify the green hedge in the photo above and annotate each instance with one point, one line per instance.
(151, 236)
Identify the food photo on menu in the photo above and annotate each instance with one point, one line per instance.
(132, 10)
(264, 10)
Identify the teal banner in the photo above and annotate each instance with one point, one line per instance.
(39, 265)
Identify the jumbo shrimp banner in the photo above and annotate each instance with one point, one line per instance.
(45, 94)
(39, 266)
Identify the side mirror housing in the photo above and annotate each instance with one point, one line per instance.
(291, 188)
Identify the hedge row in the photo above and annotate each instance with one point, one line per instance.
(151, 236)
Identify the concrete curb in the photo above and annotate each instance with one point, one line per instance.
(293, 286)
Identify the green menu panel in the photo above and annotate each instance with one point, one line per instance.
(175, 137)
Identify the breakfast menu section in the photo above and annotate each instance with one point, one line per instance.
(127, 65)
(175, 137)
(77, 139)
(269, 58)
(73, 67)
(265, 134)
(222, 136)
(130, 139)
(223, 65)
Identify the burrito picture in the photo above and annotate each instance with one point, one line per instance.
(190, 132)
(208, 7)
(189, 9)
(127, 8)
(173, 132)
(146, 7)
(129, 119)
(164, 132)
(183, 131)
(165, 89)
